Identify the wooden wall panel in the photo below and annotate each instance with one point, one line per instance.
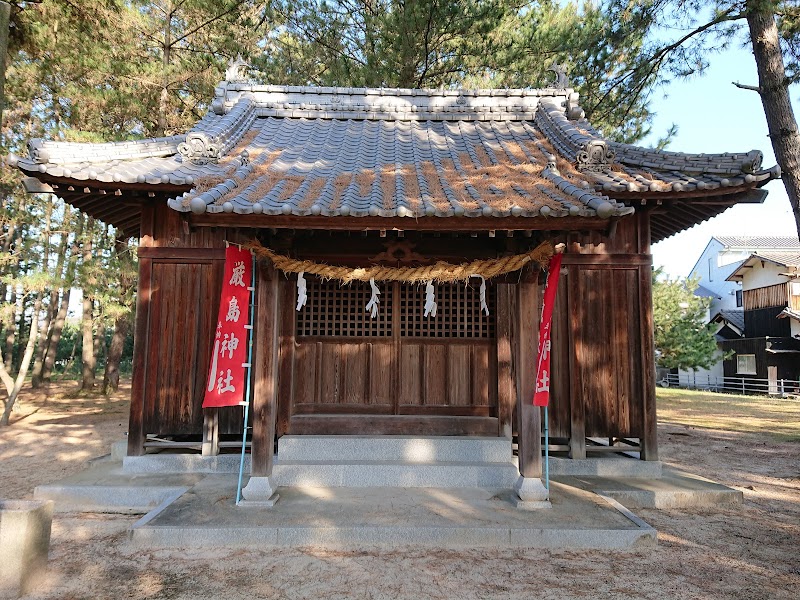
(356, 366)
(561, 348)
(329, 374)
(482, 376)
(434, 374)
(459, 359)
(607, 351)
(410, 375)
(765, 297)
(382, 372)
(184, 302)
(305, 373)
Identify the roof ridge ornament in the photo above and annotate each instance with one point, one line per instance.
(595, 157)
(236, 72)
(200, 148)
(562, 81)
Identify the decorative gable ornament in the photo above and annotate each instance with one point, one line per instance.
(596, 157)
(562, 81)
(237, 70)
(200, 149)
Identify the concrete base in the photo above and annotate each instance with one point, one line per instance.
(24, 544)
(390, 517)
(106, 488)
(608, 466)
(259, 492)
(531, 489)
(674, 489)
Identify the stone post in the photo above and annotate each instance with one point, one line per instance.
(24, 543)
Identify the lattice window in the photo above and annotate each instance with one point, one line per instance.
(333, 309)
(458, 316)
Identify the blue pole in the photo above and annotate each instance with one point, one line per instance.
(546, 450)
(249, 369)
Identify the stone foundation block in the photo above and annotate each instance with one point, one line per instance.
(24, 543)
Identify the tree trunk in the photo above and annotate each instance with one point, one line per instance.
(87, 351)
(122, 326)
(41, 344)
(774, 92)
(66, 293)
(111, 376)
(163, 104)
(13, 386)
(11, 332)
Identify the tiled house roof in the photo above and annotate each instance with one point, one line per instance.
(394, 153)
(758, 242)
(788, 259)
(734, 317)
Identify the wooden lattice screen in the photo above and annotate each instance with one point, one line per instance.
(458, 316)
(336, 310)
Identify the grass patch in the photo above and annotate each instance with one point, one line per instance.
(774, 417)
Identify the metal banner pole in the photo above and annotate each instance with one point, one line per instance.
(249, 367)
(546, 450)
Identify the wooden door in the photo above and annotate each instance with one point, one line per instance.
(401, 372)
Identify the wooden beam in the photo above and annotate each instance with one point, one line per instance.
(649, 441)
(136, 433)
(265, 371)
(529, 425)
(191, 255)
(392, 425)
(399, 223)
(612, 260)
(210, 446)
(577, 408)
(506, 386)
(286, 333)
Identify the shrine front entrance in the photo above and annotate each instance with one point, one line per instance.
(343, 372)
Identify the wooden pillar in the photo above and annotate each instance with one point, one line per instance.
(506, 385)
(265, 371)
(649, 440)
(288, 295)
(529, 425)
(210, 445)
(577, 406)
(136, 432)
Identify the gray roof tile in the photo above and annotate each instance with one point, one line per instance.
(334, 151)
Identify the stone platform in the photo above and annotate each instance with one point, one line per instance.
(349, 491)
(341, 517)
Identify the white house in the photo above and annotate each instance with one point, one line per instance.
(722, 257)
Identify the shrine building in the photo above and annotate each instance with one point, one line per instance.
(356, 178)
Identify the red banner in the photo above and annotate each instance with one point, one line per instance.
(226, 377)
(541, 396)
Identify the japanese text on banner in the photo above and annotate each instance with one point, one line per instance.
(541, 396)
(226, 376)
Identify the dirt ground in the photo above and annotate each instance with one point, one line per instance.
(751, 551)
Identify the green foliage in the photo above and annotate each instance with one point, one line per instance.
(683, 339)
(474, 43)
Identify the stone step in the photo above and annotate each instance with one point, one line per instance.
(403, 449)
(395, 474)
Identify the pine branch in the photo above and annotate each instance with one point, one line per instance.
(743, 86)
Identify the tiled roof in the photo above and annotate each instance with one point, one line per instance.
(352, 152)
(754, 242)
(734, 317)
(787, 259)
(790, 260)
(704, 292)
(788, 312)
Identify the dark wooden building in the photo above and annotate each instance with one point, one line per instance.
(359, 177)
(769, 348)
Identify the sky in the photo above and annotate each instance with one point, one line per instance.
(712, 115)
